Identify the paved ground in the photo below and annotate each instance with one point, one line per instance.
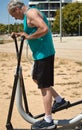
(69, 48)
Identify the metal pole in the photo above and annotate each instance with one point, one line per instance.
(60, 20)
(49, 13)
(8, 24)
(79, 25)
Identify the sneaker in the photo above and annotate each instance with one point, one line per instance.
(59, 105)
(42, 124)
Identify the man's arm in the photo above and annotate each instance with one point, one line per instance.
(36, 19)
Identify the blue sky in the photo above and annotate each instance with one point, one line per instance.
(5, 18)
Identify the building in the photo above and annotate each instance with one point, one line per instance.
(76, 0)
(49, 7)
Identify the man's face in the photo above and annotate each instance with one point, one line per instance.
(16, 13)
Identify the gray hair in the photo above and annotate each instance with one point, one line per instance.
(15, 3)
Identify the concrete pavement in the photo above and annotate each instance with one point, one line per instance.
(69, 48)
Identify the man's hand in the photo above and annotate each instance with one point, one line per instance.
(15, 34)
(19, 34)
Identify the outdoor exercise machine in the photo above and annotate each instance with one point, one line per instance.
(21, 98)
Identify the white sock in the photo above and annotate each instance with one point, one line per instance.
(58, 99)
(48, 118)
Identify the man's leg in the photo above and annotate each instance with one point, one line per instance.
(47, 100)
(58, 101)
(47, 122)
(55, 95)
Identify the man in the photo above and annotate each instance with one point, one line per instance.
(38, 35)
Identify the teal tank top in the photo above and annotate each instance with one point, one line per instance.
(41, 47)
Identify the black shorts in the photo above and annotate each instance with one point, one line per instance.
(43, 72)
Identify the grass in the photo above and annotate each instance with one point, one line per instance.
(79, 70)
(79, 63)
(69, 83)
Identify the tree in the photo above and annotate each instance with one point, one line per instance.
(11, 28)
(2, 28)
(71, 18)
